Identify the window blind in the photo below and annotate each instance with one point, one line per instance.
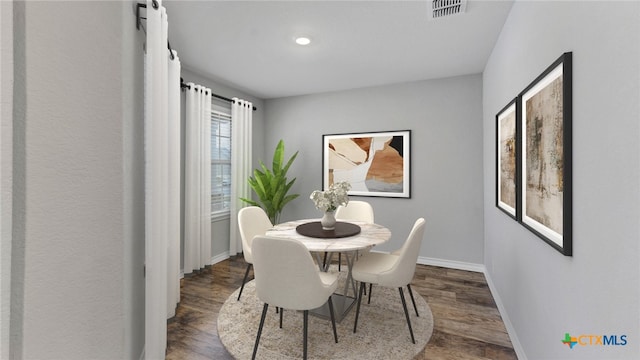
(220, 161)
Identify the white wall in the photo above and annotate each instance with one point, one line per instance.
(597, 290)
(444, 117)
(78, 236)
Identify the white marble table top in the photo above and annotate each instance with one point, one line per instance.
(370, 235)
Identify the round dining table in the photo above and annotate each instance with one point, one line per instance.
(320, 241)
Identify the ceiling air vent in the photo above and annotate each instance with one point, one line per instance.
(443, 8)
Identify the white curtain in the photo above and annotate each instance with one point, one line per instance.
(197, 207)
(162, 184)
(173, 245)
(241, 163)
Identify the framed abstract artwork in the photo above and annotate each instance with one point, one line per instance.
(374, 163)
(507, 159)
(546, 175)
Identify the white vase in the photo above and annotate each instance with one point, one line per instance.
(328, 221)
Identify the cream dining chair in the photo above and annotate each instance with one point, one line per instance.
(393, 270)
(354, 210)
(252, 221)
(287, 277)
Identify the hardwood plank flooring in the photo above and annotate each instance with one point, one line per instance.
(467, 324)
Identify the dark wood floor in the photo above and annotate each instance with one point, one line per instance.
(467, 324)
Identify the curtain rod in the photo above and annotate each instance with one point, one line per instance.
(182, 84)
(139, 23)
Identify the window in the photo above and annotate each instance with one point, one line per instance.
(220, 161)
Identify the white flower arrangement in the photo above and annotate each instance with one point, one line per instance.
(334, 196)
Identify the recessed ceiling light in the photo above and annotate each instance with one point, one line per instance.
(303, 40)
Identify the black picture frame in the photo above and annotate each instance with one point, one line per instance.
(374, 163)
(507, 159)
(546, 155)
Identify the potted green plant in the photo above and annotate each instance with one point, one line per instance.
(272, 186)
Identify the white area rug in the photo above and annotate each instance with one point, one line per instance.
(382, 329)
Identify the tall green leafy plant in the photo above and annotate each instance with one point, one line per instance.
(272, 186)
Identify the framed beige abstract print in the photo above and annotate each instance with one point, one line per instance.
(506, 159)
(546, 175)
(374, 163)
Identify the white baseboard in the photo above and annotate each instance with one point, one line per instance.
(515, 342)
(459, 265)
(220, 257)
(214, 260)
(451, 264)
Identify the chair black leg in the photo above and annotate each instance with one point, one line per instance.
(306, 325)
(355, 324)
(339, 261)
(281, 312)
(246, 274)
(370, 285)
(413, 300)
(264, 314)
(333, 320)
(406, 313)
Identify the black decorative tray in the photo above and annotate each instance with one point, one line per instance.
(314, 229)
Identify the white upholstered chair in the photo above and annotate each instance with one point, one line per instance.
(287, 277)
(252, 221)
(393, 270)
(354, 210)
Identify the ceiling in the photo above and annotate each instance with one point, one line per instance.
(249, 45)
